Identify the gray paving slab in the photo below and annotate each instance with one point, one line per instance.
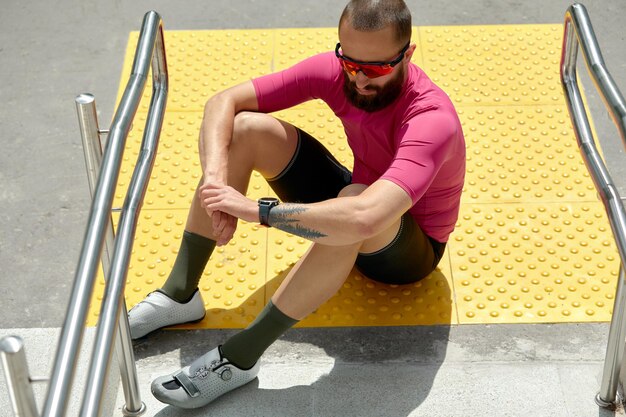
(503, 370)
(40, 348)
(524, 370)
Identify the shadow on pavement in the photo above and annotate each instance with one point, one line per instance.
(346, 371)
(385, 371)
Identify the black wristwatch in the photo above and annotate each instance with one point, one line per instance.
(265, 205)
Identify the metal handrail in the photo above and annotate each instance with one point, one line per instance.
(92, 147)
(150, 48)
(579, 32)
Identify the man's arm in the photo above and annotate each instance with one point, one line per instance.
(214, 141)
(304, 81)
(338, 221)
(216, 130)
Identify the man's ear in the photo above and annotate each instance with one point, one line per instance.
(409, 52)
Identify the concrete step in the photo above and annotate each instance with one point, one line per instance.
(443, 371)
(40, 345)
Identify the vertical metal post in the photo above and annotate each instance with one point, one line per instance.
(614, 347)
(18, 381)
(579, 34)
(92, 147)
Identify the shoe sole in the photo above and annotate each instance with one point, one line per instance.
(168, 326)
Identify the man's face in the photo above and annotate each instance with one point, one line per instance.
(372, 97)
(372, 94)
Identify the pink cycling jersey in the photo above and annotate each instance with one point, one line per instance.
(416, 142)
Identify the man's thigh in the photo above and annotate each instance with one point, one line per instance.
(260, 142)
(410, 257)
(312, 175)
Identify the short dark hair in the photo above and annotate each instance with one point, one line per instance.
(372, 15)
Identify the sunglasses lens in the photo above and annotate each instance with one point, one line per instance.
(370, 71)
(351, 68)
(374, 71)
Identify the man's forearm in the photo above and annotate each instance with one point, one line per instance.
(285, 218)
(333, 222)
(215, 136)
(217, 128)
(344, 220)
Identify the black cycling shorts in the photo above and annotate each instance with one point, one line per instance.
(313, 175)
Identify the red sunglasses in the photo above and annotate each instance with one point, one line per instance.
(369, 69)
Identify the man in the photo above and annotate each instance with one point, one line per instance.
(390, 217)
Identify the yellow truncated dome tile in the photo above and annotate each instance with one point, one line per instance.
(522, 154)
(532, 243)
(295, 45)
(361, 301)
(507, 64)
(176, 172)
(533, 263)
(202, 63)
(322, 124)
(232, 285)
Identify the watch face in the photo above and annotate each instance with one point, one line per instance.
(268, 200)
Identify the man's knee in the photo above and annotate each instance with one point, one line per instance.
(382, 239)
(247, 123)
(262, 142)
(352, 190)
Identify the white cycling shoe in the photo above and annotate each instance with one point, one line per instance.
(207, 378)
(158, 310)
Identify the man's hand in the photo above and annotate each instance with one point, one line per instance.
(225, 205)
(224, 226)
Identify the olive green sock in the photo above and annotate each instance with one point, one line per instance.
(246, 347)
(194, 253)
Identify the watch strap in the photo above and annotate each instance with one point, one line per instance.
(264, 210)
(264, 214)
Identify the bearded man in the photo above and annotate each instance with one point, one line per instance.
(390, 217)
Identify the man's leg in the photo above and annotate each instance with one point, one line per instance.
(313, 280)
(316, 277)
(323, 269)
(260, 142)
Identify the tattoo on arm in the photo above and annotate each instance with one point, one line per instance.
(283, 217)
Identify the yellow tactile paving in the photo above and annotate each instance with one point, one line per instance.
(325, 126)
(522, 154)
(232, 286)
(532, 243)
(507, 64)
(201, 63)
(294, 45)
(533, 262)
(363, 302)
(176, 170)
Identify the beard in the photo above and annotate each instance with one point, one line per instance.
(385, 95)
